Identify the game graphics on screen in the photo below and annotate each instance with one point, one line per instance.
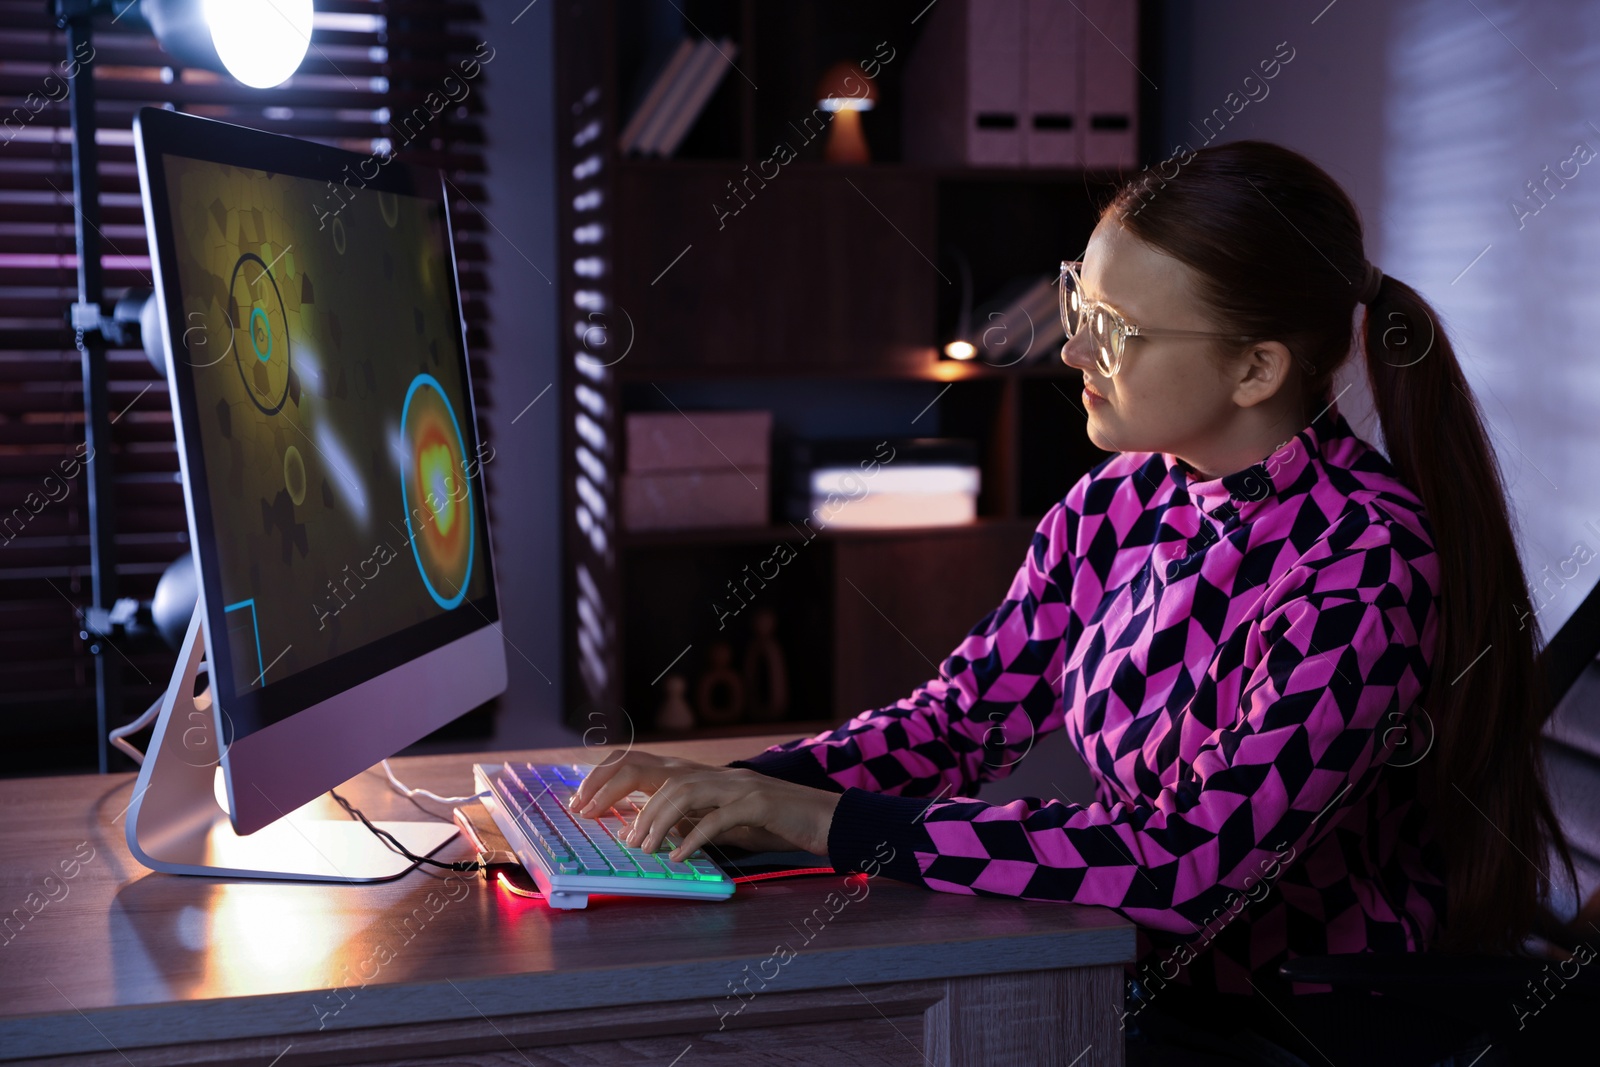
(330, 394)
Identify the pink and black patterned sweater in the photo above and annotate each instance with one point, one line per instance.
(1238, 660)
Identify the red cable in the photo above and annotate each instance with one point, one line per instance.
(784, 874)
(506, 884)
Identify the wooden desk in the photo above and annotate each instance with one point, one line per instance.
(122, 966)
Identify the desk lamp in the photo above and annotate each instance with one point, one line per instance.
(846, 91)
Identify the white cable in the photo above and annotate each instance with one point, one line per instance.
(116, 736)
(407, 791)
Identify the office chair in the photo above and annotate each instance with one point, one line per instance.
(1510, 1004)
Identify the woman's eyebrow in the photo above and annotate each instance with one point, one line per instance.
(1099, 298)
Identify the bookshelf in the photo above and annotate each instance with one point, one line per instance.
(825, 297)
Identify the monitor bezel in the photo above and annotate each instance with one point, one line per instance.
(159, 133)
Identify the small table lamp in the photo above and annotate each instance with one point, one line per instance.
(846, 91)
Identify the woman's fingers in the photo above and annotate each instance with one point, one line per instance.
(595, 782)
(609, 782)
(681, 828)
(724, 818)
(598, 776)
(695, 804)
(726, 799)
(666, 806)
(614, 779)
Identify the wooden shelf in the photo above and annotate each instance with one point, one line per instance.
(921, 364)
(800, 728)
(932, 171)
(792, 291)
(740, 535)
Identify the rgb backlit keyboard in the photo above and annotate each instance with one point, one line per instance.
(571, 856)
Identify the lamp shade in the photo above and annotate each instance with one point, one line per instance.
(846, 91)
(258, 42)
(846, 87)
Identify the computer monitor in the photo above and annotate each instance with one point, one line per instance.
(332, 472)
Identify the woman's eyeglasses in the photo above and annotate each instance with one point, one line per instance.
(1108, 330)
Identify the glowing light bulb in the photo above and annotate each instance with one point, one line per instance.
(261, 42)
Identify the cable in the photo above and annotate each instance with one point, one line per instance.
(408, 792)
(505, 883)
(394, 843)
(149, 716)
(784, 874)
(116, 736)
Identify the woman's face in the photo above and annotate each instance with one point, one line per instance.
(1171, 394)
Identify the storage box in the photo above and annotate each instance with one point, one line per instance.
(894, 497)
(862, 484)
(676, 500)
(1024, 83)
(688, 469)
(698, 440)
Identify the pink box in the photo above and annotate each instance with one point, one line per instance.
(698, 440)
(677, 500)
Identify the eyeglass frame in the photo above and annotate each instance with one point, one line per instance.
(1128, 329)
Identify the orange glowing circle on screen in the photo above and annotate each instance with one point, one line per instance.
(437, 492)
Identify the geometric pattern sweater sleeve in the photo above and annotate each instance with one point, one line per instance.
(1239, 661)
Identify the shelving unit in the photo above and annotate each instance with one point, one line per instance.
(826, 298)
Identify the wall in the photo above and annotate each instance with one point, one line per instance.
(1435, 115)
(521, 205)
(1467, 134)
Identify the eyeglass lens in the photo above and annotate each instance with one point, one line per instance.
(1105, 332)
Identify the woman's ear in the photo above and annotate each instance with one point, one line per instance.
(1262, 370)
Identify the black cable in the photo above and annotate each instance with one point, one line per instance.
(394, 844)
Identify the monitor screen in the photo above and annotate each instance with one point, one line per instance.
(333, 463)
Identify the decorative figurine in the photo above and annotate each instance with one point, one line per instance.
(675, 713)
(766, 680)
(721, 692)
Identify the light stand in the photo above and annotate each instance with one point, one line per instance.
(266, 47)
(94, 330)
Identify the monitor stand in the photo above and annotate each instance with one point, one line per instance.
(176, 822)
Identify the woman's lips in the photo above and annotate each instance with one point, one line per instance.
(1091, 397)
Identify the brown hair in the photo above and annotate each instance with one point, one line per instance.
(1278, 246)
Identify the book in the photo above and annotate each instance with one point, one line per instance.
(707, 76)
(672, 98)
(1020, 324)
(628, 141)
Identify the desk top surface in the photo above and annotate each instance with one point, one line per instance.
(117, 950)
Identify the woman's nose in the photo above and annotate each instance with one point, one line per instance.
(1078, 351)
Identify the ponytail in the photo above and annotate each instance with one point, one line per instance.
(1487, 700)
(1278, 249)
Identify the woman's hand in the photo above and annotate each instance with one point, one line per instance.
(728, 804)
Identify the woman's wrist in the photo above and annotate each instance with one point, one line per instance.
(825, 803)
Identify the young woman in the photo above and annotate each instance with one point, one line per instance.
(1295, 668)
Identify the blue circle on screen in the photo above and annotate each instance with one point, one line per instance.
(262, 356)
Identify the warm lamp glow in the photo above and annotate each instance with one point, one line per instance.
(219, 789)
(846, 87)
(960, 350)
(846, 91)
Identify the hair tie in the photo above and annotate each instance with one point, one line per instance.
(1369, 287)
